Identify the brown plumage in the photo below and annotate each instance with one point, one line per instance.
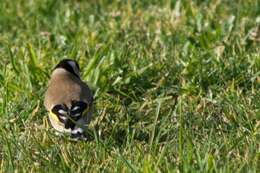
(66, 88)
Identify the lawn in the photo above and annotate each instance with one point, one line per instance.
(176, 84)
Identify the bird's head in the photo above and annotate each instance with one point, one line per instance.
(69, 65)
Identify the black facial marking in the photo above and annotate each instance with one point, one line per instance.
(65, 65)
(77, 64)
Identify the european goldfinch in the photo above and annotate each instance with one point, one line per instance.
(68, 100)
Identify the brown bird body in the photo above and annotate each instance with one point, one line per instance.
(65, 87)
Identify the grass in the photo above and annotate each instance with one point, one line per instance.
(176, 83)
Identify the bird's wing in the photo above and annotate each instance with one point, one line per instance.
(78, 108)
(61, 112)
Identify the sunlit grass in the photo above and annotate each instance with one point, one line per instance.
(176, 85)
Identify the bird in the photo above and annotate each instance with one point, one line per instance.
(68, 100)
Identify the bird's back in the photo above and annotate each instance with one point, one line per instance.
(64, 88)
